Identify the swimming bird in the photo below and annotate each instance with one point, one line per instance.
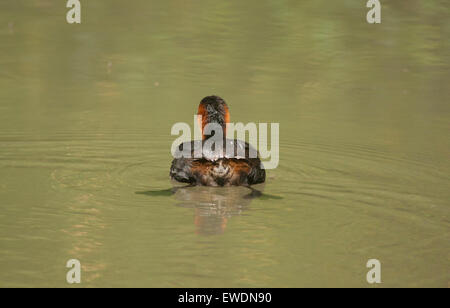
(235, 163)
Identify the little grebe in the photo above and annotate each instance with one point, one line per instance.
(217, 168)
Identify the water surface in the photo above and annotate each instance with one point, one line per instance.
(85, 118)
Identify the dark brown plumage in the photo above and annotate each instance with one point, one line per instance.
(223, 169)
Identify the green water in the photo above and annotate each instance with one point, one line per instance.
(85, 118)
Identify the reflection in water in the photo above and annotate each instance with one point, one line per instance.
(214, 206)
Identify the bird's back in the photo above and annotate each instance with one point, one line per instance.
(240, 166)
